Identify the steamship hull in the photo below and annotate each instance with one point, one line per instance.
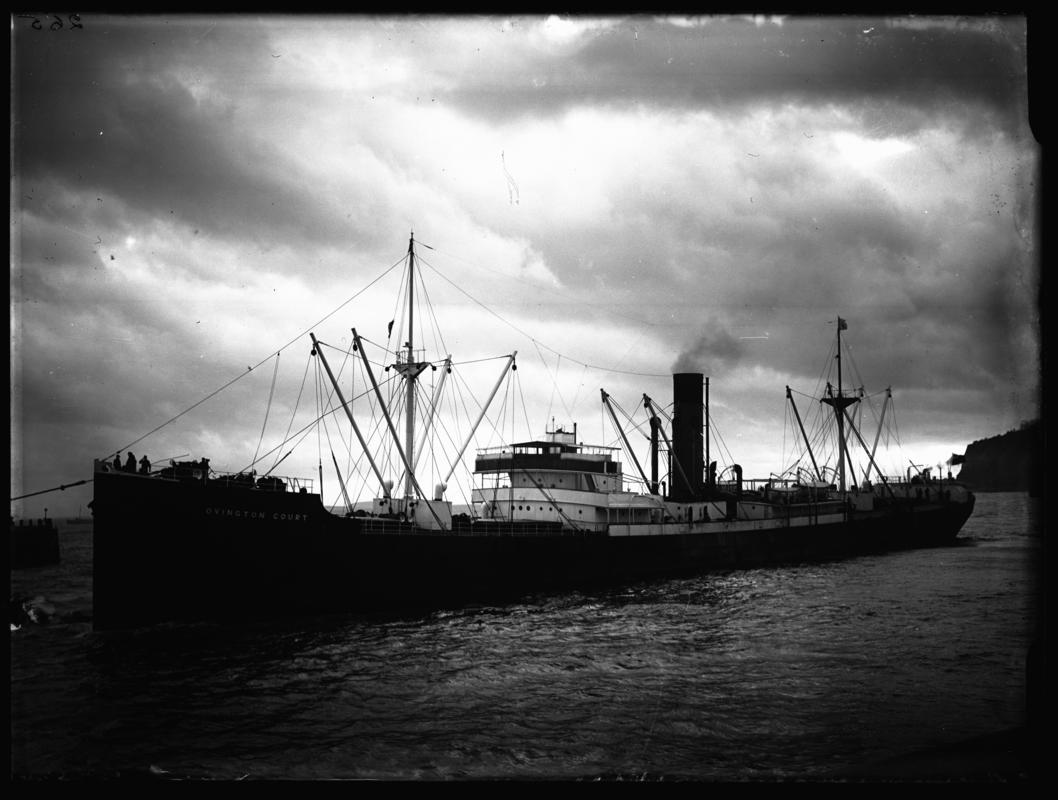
(179, 551)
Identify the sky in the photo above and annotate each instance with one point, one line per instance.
(614, 198)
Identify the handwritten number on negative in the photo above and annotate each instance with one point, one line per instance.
(56, 24)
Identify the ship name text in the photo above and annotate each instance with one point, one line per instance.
(241, 513)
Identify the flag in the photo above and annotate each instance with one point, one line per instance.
(956, 459)
(842, 325)
(389, 329)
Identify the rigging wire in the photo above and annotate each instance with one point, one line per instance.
(268, 408)
(525, 412)
(441, 425)
(393, 386)
(720, 441)
(540, 288)
(533, 339)
(554, 385)
(369, 394)
(399, 306)
(304, 430)
(358, 465)
(297, 338)
(787, 426)
(621, 438)
(255, 366)
(327, 434)
(424, 300)
(580, 386)
(293, 416)
(319, 410)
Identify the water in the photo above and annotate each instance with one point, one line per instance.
(772, 674)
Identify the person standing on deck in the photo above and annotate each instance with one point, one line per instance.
(130, 463)
(145, 466)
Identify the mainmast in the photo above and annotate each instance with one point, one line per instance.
(409, 435)
(839, 402)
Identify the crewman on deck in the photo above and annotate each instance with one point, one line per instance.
(117, 462)
(145, 466)
(130, 463)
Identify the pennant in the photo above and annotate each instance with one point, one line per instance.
(842, 325)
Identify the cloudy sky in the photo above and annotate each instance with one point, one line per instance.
(613, 198)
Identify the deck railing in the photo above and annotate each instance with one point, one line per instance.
(467, 527)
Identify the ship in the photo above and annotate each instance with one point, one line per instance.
(186, 542)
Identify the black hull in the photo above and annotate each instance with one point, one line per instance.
(171, 551)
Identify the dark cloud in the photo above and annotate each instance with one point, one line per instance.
(116, 115)
(734, 62)
(725, 240)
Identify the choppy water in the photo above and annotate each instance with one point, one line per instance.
(771, 674)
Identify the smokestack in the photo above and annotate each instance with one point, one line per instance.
(687, 439)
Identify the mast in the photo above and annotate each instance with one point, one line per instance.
(841, 324)
(870, 456)
(620, 431)
(433, 408)
(409, 435)
(318, 350)
(341, 482)
(655, 423)
(804, 436)
(838, 402)
(409, 368)
(708, 469)
(358, 345)
(455, 462)
(881, 420)
(841, 416)
(673, 458)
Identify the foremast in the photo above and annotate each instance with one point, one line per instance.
(416, 505)
(410, 369)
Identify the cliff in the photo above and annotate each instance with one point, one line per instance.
(1011, 462)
